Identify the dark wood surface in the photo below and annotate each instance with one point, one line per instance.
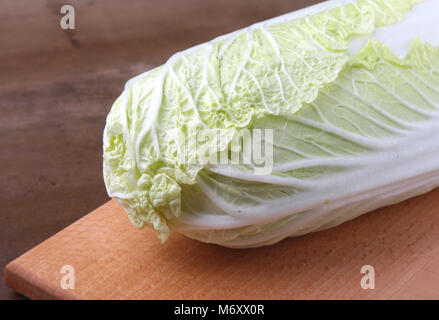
(56, 88)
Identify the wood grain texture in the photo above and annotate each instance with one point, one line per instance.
(56, 88)
(114, 260)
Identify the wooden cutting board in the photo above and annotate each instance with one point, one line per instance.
(114, 260)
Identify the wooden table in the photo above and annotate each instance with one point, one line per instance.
(56, 88)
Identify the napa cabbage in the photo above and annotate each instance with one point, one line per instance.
(354, 125)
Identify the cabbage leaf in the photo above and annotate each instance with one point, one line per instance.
(338, 119)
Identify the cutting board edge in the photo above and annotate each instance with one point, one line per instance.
(31, 285)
